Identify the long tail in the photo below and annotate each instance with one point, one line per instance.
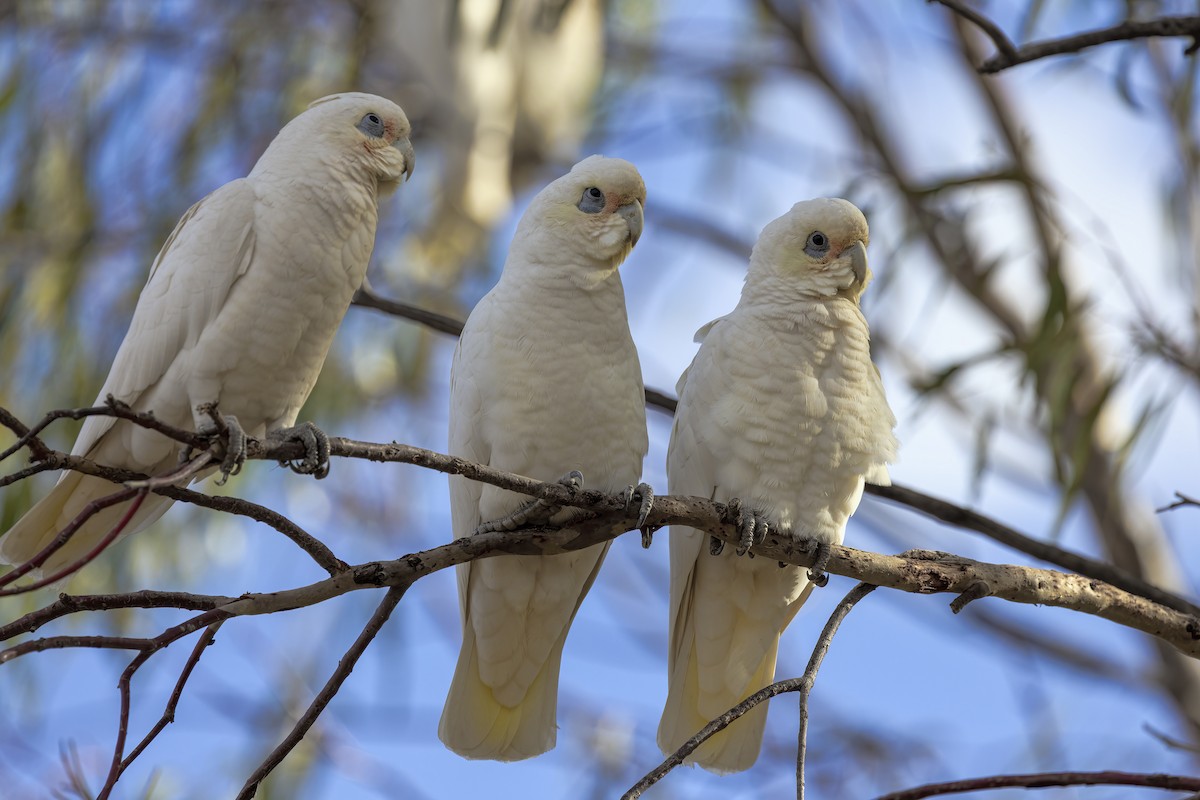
(686, 711)
(475, 724)
(37, 529)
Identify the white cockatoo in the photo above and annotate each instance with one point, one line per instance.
(545, 382)
(783, 410)
(239, 310)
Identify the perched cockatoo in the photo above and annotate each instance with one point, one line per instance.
(239, 310)
(545, 382)
(783, 410)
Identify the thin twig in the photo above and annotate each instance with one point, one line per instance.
(994, 31)
(70, 604)
(1010, 56)
(168, 715)
(138, 495)
(63, 642)
(803, 685)
(1180, 783)
(1130, 29)
(810, 673)
(1181, 500)
(344, 668)
(111, 408)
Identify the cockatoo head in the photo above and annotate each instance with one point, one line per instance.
(818, 249)
(587, 220)
(362, 133)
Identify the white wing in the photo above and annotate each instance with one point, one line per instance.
(210, 248)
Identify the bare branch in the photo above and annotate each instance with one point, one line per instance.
(138, 495)
(63, 642)
(168, 715)
(28, 437)
(1010, 56)
(344, 668)
(367, 298)
(71, 604)
(1179, 783)
(994, 31)
(1181, 500)
(965, 518)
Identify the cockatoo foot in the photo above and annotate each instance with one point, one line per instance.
(533, 513)
(316, 449)
(230, 440)
(645, 496)
(817, 573)
(752, 527)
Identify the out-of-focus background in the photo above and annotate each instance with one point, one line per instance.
(1035, 318)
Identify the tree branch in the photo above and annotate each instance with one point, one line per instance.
(344, 668)
(168, 715)
(1044, 551)
(1108, 778)
(1010, 55)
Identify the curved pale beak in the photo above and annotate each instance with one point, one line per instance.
(857, 254)
(410, 157)
(632, 214)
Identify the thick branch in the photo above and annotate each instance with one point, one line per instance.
(921, 572)
(965, 518)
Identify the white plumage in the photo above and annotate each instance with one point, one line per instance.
(240, 307)
(783, 409)
(545, 380)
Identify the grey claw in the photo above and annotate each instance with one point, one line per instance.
(817, 573)
(645, 495)
(536, 511)
(225, 426)
(752, 528)
(316, 449)
(235, 450)
(715, 546)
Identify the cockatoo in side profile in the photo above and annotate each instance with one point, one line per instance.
(545, 381)
(239, 310)
(783, 410)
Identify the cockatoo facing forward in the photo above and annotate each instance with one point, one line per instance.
(545, 381)
(782, 409)
(240, 307)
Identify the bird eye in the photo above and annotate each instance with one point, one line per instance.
(817, 244)
(371, 124)
(592, 201)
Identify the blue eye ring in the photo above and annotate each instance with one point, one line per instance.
(592, 201)
(817, 244)
(371, 124)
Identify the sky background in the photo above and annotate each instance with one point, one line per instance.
(909, 693)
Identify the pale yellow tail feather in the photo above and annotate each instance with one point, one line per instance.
(475, 725)
(733, 749)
